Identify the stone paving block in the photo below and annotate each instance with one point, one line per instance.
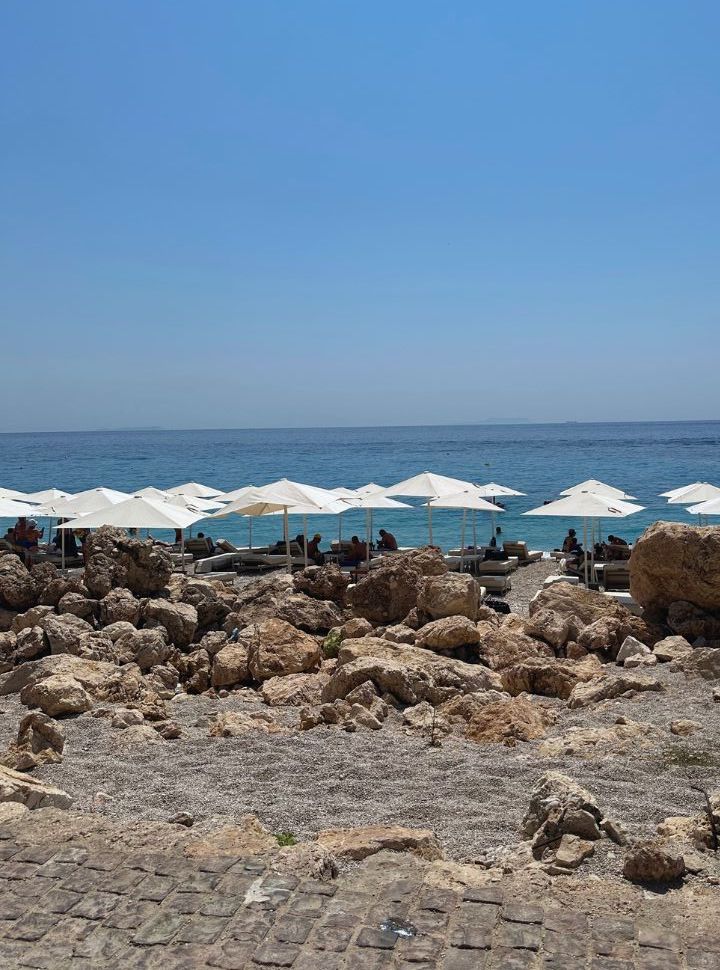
(250, 926)
(216, 905)
(335, 939)
(465, 960)
(185, 956)
(427, 922)
(697, 939)
(614, 928)
(35, 853)
(310, 960)
(277, 883)
(57, 870)
(104, 861)
(425, 965)
(18, 870)
(153, 887)
(81, 880)
(367, 959)
(307, 905)
(68, 853)
(470, 937)
(217, 863)
(522, 913)
(8, 850)
(519, 936)
(654, 959)
(185, 902)
(234, 884)
(350, 902)
(607, 963)
(271, 954)
(330, 920)
(377, 939)
(33, 926)
(563, 921)
(420, 949)
(160, 928)
(70, 928)
(315, 886)
(504, 959)
(120, 880)
(565, 944)
(12, 906)
(231, 956)
(393, 910)
(96, 905)
(129, 914)
(32, 888)
(44, 957)
(102, 944)
(478, 914)
(58, 901)
(702, 960)
(438, 900)
(618, 951)
(197, 882)
(201, 929)
(650, 934)
(483, 894)
(291, 929)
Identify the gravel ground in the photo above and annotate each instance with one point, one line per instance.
(526, 581)
(473, 796)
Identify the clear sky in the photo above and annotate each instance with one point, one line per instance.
(318, 212)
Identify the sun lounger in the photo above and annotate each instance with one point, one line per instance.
(520, 550)
(495, 567)
(616, 576)
(497, 584)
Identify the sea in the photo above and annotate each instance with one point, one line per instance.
(643, 459)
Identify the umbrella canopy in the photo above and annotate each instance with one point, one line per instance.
(12, 493)
(370, 489)
(184, 501)
(429, 485)
(196, 490)
(236, 493)
(9, 509)
(468, 499)
(711, 507)
(678, 491)
(598, 488)
(694, 494)
(137, 512)
(91, 500)
(587, 505)
(47, 495)
(493, 490)
(343, 492)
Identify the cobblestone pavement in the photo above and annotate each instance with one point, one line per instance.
(63, 905)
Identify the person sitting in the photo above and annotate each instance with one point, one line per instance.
(387, 541)
(65, 539)
(313, 549)
(210, 544)
(30, 537)
(617, 541)
(569, 541)
(358, 551)
(300, 539)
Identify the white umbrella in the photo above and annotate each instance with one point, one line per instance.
(236, 493)
(196, 490)
(493, 490)
(12, 493)
(587, 505)
(370, 489)
(598, 488)
(184, 501)
(468, 499)
(694, 494)
(91, 500)
(710, 507)
(369, 502)
(9, 509)
(429, 485)
(47, 495)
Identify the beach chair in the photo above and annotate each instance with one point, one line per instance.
(494, 567)
(616, 576)
(198, 548)
(497, 584)
(520, 550)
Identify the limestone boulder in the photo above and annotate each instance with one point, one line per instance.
(211, 603)
(596, 622)
(671, 648)
(275, 597)
(230, 665)
(398, 633)
(327, 582)
(549, 677)
(359, 843)
(308, 614)
(631, 647)
(453, 594)
(560, 806)
(78, 605)
(57, 695)
(276, 648)
(294, 690)
(30, 643)
(18, 589)
(356, 627)
(611, 685)
(30, 792)
(503, 645)
(387, 594)
(447, 634)
(233, 724)
(653, 861)
(91, 674)
(32, 617)
(213, 642)
(40, 740)
(112, 560)
(620, 738)
(179, 619)
(66, 633)
(119, 606)
(146, 648)
(672, 561)
(118, 629)
(409, 674)
(702, 662)
(700, 626)
(510, 721)
(194, 669)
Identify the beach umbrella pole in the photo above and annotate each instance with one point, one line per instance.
(62, 547)
(430, 535)
(462, 542)
(182, 549)
(286, 527)
(250, 518)
(305, 539)
(368, 528)
(585, 550)
(474, 528)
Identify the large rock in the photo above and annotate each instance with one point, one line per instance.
(230, 666)
(194, 669)
(388, 594)
(30, 643)
(276, 648)
(549, 677)
(77, 605)
(506, 645)
(619, 738)
(327, 582)
(447, 634)
(609, 686)
(66, 633)
(30, 792)
(562, 614)
(294, 690)
(112, 559)
(40, 740)
(359, 843)
(179, 619)
(454, 594)
(212, 602)
(274, 597)
(560, 806)
(409, 674)
(653, 861)
(119, 606)
(146, 648)
(671, 648)
(57, 695)
(233, 724)
(702, 662)
(697, 625)
(18, 589)
(507, 722)
(33, 617)
(672, 561)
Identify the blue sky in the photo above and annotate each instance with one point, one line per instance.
(245, 214)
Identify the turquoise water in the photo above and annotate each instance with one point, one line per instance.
(642, 458)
